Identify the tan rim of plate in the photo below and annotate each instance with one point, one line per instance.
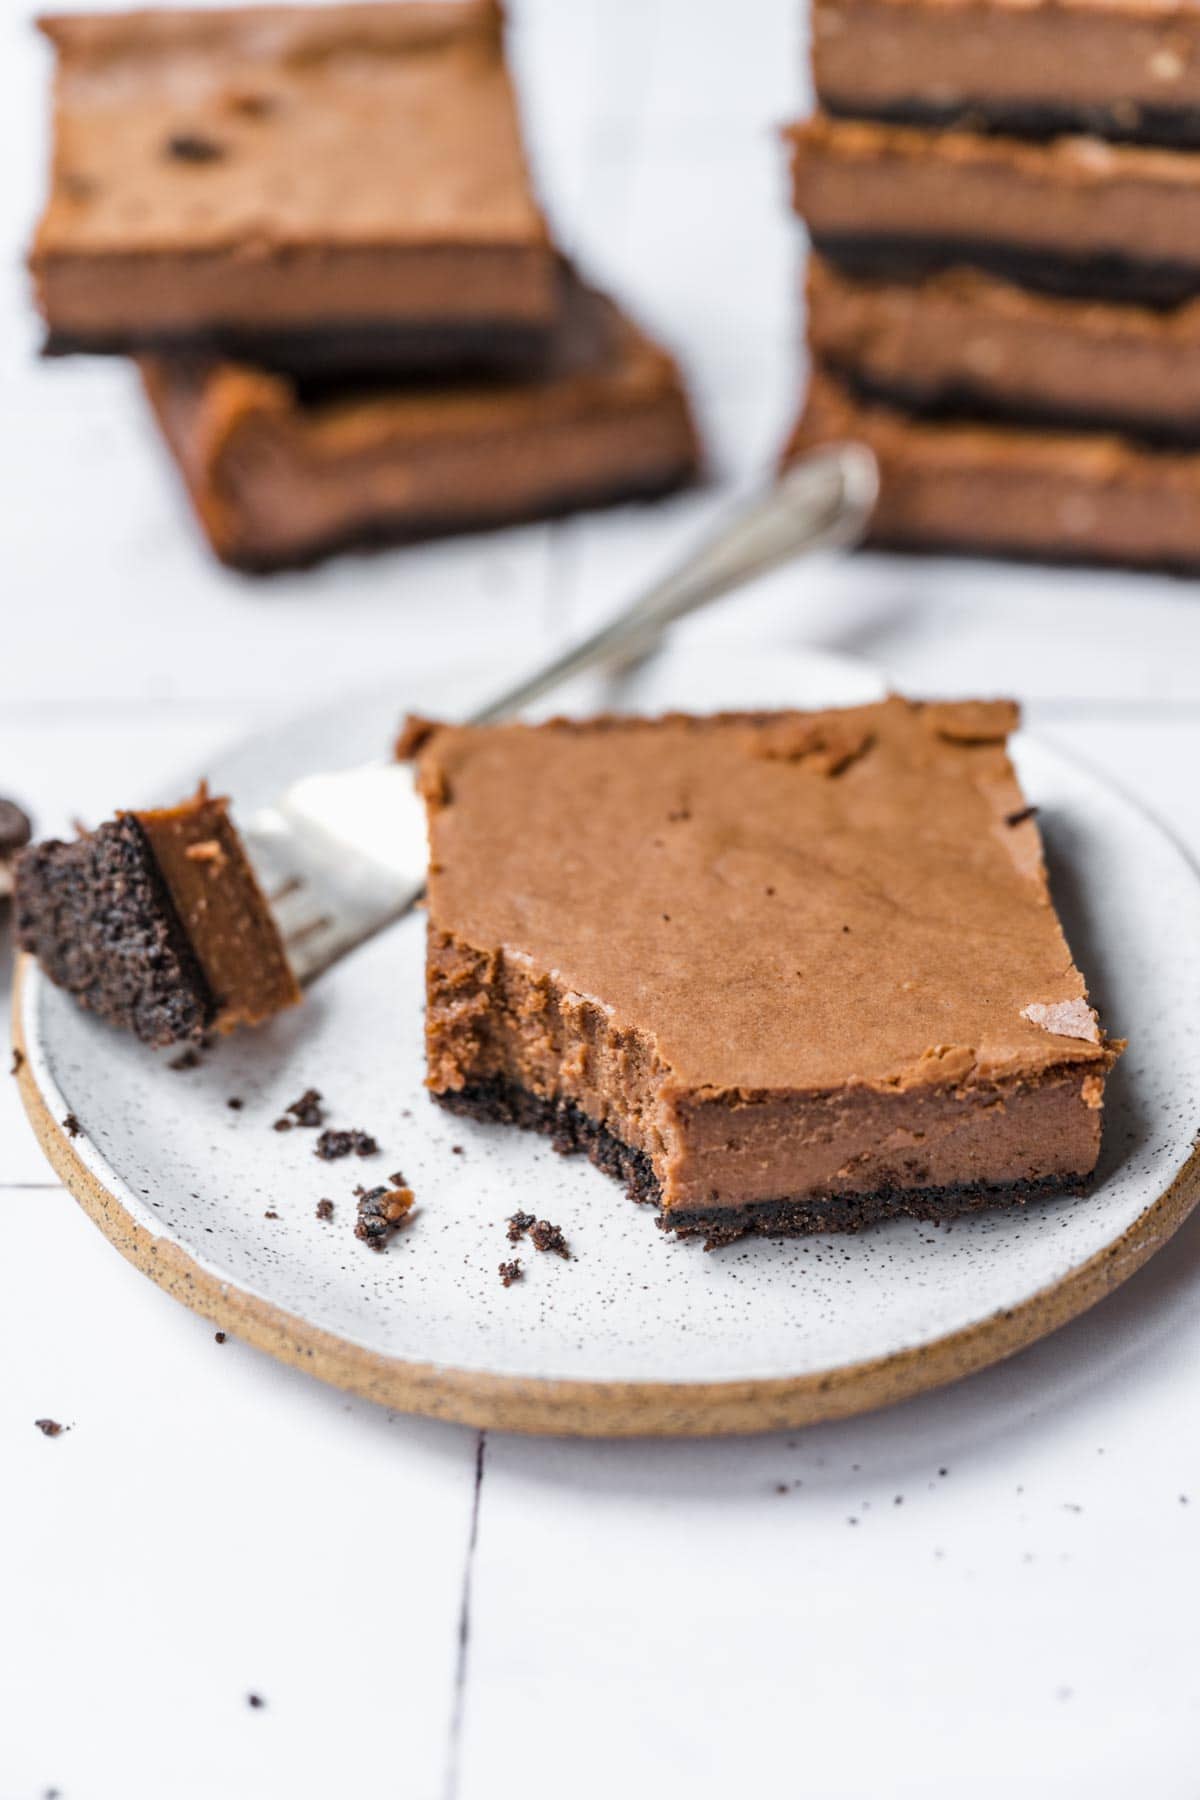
(599, 1408)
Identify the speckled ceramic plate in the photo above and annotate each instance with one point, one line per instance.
(638, 1332)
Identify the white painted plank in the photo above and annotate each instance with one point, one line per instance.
(211, 1526)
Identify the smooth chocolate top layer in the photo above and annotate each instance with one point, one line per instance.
(272, 466)
(1073, 197)
(980, 488)
(884, 55)
(960, 338)
(286, 127)
(770, 902)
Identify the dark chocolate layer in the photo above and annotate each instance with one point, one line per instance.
(1107, 277)
(97, 916)
(1172, 127)
(342, 349)
(573, 1132)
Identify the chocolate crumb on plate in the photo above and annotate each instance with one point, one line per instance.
(50, 1427)
(307, 1110)
(381, 1211)
(255, 1700)
(71, 1126)
(282, 1125)
(219, 1336)
(18, 1061)
(331, 1145)
(545, 1236)
(324, 1209)
(510, 1272)
(270, 1213)
(234, 1103)
(187, 1059)
(519, 1224)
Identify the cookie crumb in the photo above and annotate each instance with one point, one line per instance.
(219, 1336)
(457, 1150)
(545, 1236)
(397, 1180)
(510, 1272)
(71, 1126)
(307, 1110)
(332, 1145)
(282, 1125)
(50, 1427)
(324, 1209)
(381, 1211)
(270, 1213)
(519, 1224)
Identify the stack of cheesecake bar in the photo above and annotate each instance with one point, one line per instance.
(315, 229)
(1003, 202)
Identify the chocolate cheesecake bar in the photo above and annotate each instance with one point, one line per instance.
(962, 342)
(778, 972)
(991, 489)
(156, 922)
(1118, 68)
(280, 474)
(1072, 216)
(327, 186)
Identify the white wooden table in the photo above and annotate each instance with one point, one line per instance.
(989, 1591)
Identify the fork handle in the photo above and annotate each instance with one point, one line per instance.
(821, 502)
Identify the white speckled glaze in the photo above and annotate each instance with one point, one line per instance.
(633, 1304)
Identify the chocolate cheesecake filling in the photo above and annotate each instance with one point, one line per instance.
(775, 972)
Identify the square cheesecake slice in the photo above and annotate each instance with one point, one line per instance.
(155, 921)
(303, 186)
(779, 972)
(991, 489)
(1073, 215)
(1119, 68)
(280, 474)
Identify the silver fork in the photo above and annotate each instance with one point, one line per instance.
(342, 856)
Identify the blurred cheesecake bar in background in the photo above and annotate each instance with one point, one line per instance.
(316, 229)
(304, 187)
(156, 922)
(1011, 318)
(279, 474)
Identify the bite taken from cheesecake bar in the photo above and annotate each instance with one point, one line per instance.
(777, 972)
(156, 922)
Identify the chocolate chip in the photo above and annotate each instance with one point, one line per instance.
(332, 1145)
(510, 1272)
(50, 1427)
(15, 829)
(194, 147)
(545, 1236)
(519, 1224)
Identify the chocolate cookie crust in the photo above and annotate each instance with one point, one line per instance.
(97, 916)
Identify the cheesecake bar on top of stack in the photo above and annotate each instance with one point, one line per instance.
(1003, 204)
(316, 229)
